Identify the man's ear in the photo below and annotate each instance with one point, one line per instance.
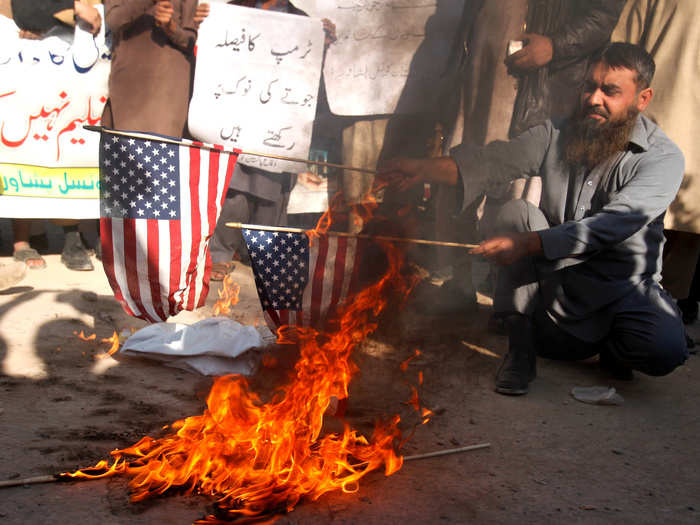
(644, 97)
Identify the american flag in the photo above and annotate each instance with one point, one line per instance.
(301, 283)
(159, 203)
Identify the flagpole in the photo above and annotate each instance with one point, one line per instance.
(260, 227)
(240, 152)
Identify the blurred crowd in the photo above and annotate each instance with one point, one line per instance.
(513, 65)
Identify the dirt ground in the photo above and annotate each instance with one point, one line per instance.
(551, 460)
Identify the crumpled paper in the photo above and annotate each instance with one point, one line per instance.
(213, 346)
(597, 395)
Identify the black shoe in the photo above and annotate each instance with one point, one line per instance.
(689, 310)
(614, 367)
(75, 256)
(519, 365)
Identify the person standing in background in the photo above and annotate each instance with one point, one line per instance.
(152, 65)
(500, 91)
(36, 18)
(670, 31)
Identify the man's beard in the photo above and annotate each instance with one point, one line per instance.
(588, 142)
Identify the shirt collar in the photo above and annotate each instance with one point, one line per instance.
(640, 132)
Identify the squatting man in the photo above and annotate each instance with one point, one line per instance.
(578, 275)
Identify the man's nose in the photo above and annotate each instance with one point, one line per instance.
(595, 98)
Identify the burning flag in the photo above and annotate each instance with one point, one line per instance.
(260, 458)
(301, 283)
(160, 199)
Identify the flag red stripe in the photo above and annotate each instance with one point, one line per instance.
(108, 262)
(214, 158)
(175, 265)
(190, 278)
(275, 319)
(131, 267)
(339, 274)
(154, 268)
(317, 279)
(230, 165)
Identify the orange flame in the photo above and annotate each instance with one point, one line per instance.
(259, 458)
(228, 296)
(114, 340)
(84, 337)
(404, 364)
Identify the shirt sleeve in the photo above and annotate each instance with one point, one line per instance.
(652, 185)
(589, 29)
(489, 169)
(119, 14)
(185, 35)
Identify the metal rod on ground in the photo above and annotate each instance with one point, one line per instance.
(447, 451)
(28, 481)
(49, 479)
(345, 234)
(212, 147)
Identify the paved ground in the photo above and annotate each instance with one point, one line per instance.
(552, 459)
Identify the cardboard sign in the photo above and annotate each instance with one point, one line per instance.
(49, 88)
(389, 55)
(256, 83)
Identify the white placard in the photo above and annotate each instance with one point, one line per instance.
(256, 83)
(49, 88)
(389, 54)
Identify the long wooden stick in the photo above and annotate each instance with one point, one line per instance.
(240, 152)
(28, 481)
(50, 479)
(447, 451)
(242, 226)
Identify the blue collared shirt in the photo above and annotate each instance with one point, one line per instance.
(606, 224)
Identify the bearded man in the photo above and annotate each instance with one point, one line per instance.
(579, 275)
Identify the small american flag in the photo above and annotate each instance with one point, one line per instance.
(301, 283)
(159, 203)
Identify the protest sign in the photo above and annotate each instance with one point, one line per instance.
(49, 88)
(256, 83)
(390, 55)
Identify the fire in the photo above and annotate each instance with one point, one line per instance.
(228, 296)
(260, 458)
(114, 341)
(84, 337)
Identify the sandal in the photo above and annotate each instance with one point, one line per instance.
(220, 270)
(30, 254)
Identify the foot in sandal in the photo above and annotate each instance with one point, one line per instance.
(29, 256)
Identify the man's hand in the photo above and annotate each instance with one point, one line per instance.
(29, 35)
(404, 173)
(163, 13)
(509, 248)
(329, 32)
(537, 52)
(88, 15)
(201, 13)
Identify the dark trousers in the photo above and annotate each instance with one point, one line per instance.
(245, 208)
(646, 332)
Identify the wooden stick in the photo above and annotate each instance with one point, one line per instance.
(447, 451)
(240, 152)
(49, 479)
(242, 226)
(28, 481)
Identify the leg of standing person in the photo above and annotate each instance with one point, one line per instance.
(22, 251)
(226, 243)
(74, 255)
